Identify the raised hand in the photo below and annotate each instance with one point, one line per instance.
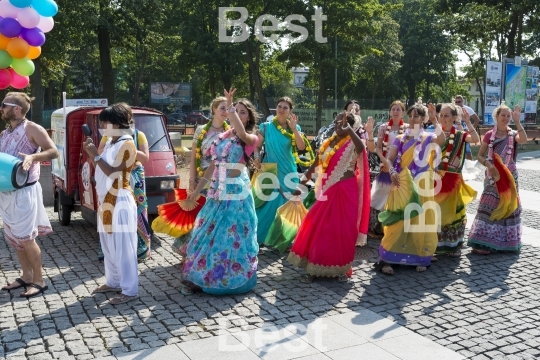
(432, 113)
(229, 95)
(369, 125)
(466, 115)
(516, 114)
(293, 120)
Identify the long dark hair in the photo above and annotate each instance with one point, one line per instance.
(250, 126)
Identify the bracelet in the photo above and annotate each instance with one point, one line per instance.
(521, 130)
(346, 128)
(231, 109)
(207, 180)
(371, 140)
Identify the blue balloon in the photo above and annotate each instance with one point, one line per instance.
(20, 3)
(45, 8)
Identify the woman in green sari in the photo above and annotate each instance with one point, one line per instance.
(282, 141)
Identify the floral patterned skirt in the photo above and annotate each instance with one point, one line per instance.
(221, 256)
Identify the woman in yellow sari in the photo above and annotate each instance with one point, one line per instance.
(410, 216)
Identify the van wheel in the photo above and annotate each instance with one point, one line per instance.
(64, 212)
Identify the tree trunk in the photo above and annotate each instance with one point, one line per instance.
(519, 34)
(139, 77)
(320, 99)
(411, 87)
(255, 72)
(49, 96)
(37, 93)
(374, 92)
(512, 35)
(107, 73)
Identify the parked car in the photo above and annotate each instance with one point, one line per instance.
(196, 117)
(176, 118)
(207, 114)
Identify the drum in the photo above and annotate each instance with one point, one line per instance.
(12, 175)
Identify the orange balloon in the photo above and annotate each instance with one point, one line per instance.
(18, 48)
(4, 41)
(34, 52)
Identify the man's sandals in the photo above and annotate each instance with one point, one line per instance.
(122, 299)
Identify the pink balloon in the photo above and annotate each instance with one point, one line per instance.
(8, 10)
(18, 81)
(45, 24)
(5, 78)
(28, 18)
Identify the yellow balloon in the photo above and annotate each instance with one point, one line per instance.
(4, 41)
(34, 52)
(18, 48)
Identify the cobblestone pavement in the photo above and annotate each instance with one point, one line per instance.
(484, 307)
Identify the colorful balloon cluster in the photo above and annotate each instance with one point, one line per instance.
(23, 24)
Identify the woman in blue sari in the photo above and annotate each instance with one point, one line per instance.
(282, 141)
(221, 257)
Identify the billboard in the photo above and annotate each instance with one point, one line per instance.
(515, 86)
(493, 89)
(531, 94)
(170, 93)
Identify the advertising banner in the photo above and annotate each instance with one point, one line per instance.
(170, 93)
(515, 86)
(531, 95)
(493, 89)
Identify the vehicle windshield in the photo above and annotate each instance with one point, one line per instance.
(152, 127)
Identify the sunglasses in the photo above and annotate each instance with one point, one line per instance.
(4, 104)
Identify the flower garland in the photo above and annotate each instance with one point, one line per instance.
(220, 170)
(336, 147)
(449, 148)
(387, 134)
(294, 149)
(198, 151)
(509, 152)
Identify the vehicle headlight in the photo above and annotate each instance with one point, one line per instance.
(166, 184)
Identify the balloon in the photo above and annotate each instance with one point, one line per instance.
(5, 59)
(34, 52)
(10, 27)
(4, 41)
(28, 18)
(8, 10)
(18, 81)
(34, 36)
(45, 7)
(5, 78)
(45, 23)
(18, 48)
(24, 67)
(21, 3)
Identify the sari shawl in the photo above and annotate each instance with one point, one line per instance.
(321, 247)
(278, 149)
(504, 232)
(410, 217)
(452, 195)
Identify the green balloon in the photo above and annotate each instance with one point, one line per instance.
(5, 59)
(23, 67)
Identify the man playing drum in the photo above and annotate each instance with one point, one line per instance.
(22, 210)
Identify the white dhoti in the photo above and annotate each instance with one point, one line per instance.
(120, 246)
(24, 215)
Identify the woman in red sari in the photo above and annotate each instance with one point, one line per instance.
(325, 243)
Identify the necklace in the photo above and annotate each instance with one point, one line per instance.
(387, 133)
(336, 147)
(449, 147)
(198, 151)
(288, 133)
(216, 127)
(11, 129)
